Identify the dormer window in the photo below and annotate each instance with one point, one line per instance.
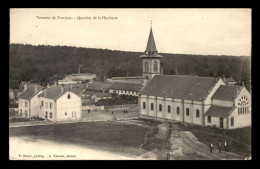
(68, 96)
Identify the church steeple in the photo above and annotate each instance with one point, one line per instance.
(151, 59)
(151, 47)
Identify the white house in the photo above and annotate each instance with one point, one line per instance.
(125, 88)
(60, 104)
(29, 103)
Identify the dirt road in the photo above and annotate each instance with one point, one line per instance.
(186, 146)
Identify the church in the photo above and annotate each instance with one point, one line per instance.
(204, 101)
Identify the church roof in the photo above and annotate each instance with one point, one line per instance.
(29, 92)
(218, 111)
(180, 87)
(226, 92)
(151, 47)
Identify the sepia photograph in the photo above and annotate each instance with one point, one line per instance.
(130, 84)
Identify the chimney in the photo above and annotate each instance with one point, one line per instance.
(62, 89)
(35, 88)
(224, 78)
(25, 86)
(45, 91)
(161, 69)
(103, 90)
(243, 83)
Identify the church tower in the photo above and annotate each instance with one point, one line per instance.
(151, 59)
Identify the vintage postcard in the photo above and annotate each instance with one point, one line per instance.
(130, 84)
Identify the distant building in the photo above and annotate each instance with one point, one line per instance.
(14, 93)
(96, 95)
(60, 104)
(125, 88)
(77, 78)
(29, 103)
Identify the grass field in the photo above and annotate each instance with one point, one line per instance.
(111, 136)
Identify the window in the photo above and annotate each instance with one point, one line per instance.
(21, 111)
(209, 119)
(46, 105)
(146, 67)
(232, 121)
(46, 114)
(144, 105)
(155, 66)
(178, 110)
(50, 115)
(25, 103)
(160, 107)
(151, 106)
(197, 113)
(169, 109)
(187, 111)
(68, 96)
(65, 113)
(42, 104)
(243, 105)
(50, 105)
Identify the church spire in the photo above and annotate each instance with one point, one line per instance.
(151, 47)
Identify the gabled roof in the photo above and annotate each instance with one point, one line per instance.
(99, 86)
(54, 92)
(226, 92)
(218, 111)
(126, 86)
(96, 93)
(30, 92)
(180, 87)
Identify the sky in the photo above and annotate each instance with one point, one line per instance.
(180, 31)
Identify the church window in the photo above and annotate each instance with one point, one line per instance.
(68, 96)
(146, 67)
(178, 110)
(144, 105)
(169, 109)
(151, 106)
(232, 121)
(243, 105)
(155, 66)
(65, 113)
(187, 111)
(160, 107)
(50, 115)
(209, 119)
(197, 113)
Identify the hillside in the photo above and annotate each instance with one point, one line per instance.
(43, 64)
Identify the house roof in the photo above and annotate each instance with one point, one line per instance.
(179, 87)
(30, 92)
(226, 92)
(54, 92)
(97, 93)
(218, 111)
(126, 86)
(99, 86)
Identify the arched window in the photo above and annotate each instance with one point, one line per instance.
(232, 121)
(68, 96)
(144, 105)
(160, 107)
(155, 66)
(243, 105)
(146, 67)
(169, 109)
(197, 113)
(46, 114)
(151, 106)
(187, 111)
(178, 110)
(50, 115)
